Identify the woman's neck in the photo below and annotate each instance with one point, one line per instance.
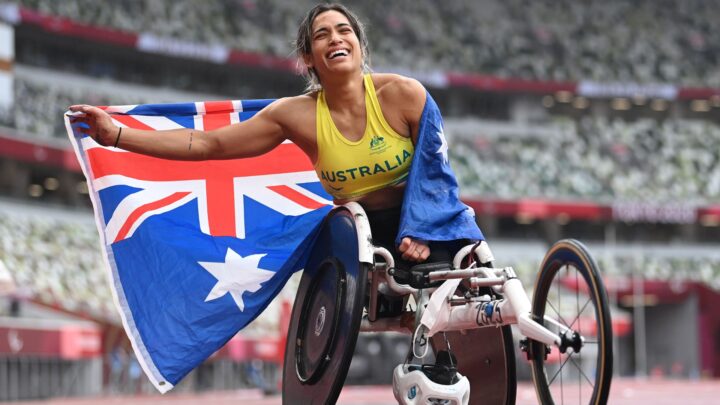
(345, 93)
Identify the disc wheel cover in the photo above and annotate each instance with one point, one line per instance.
(315, 366)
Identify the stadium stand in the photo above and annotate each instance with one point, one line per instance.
(616, 41)
(42, 95)
(55, 259)
(594, 158)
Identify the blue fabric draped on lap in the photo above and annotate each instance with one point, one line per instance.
(432, 209)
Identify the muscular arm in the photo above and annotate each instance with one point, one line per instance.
(249, 138)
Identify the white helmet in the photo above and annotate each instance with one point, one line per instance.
(412, 387)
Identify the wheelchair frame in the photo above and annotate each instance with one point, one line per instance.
(480, 311)
(513, 310)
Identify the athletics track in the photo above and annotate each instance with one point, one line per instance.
(624, 392)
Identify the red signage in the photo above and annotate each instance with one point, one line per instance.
(70, 342)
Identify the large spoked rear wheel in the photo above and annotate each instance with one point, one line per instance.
(570, 291)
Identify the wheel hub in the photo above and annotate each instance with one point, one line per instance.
(573, 340)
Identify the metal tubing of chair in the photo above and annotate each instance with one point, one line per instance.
(451, 274)
(390, 280)
(485, 282)
(482, 252)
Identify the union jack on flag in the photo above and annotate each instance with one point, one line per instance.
(196, 250)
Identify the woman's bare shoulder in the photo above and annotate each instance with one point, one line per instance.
(393, 87)
(296, 116)
(289, 109)
(293, 103)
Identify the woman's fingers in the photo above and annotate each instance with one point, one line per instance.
(91, 121)
(404, 244)
(414, 250)
(415, 253)
(423, 251)
(78, 119)
(81, 108)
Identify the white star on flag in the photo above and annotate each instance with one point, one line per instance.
(443, 149)
(236, 275)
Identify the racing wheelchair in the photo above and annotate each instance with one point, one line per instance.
(459, 317)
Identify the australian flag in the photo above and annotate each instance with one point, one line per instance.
(432, 209)
(197, 250)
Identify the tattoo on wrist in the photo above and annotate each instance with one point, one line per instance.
(190, 144)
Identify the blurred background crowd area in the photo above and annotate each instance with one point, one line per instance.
(592, 158)
(618, 40)
(596, 121)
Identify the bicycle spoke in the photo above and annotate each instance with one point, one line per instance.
(580, 311)
(560, 318)
(582, 373)
(562, 386)
(559, 370)
(559, 302)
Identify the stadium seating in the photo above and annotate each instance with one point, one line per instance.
(617, 40)
(596, 159)
(54, 258)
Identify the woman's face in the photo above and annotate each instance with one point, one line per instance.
(335, 46)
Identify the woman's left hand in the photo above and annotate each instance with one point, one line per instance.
(414, 250)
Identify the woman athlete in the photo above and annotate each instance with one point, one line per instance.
(357, 128)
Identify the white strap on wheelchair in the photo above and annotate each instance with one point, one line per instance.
(436, 316)
(415, 342)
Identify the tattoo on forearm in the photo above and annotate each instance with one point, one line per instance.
(190, 144)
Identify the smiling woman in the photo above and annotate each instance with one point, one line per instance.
(307, 36)
(358, 128)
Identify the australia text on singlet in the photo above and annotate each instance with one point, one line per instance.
(379, 159)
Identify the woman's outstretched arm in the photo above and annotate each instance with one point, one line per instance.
(253, 137)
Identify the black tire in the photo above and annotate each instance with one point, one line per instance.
(581, 377)
(326, 316)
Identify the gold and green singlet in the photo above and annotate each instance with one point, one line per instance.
(350, 169)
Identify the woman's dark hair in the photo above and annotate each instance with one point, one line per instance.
(303, 43)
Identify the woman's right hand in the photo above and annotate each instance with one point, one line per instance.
(414, 249)
(99, 125)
